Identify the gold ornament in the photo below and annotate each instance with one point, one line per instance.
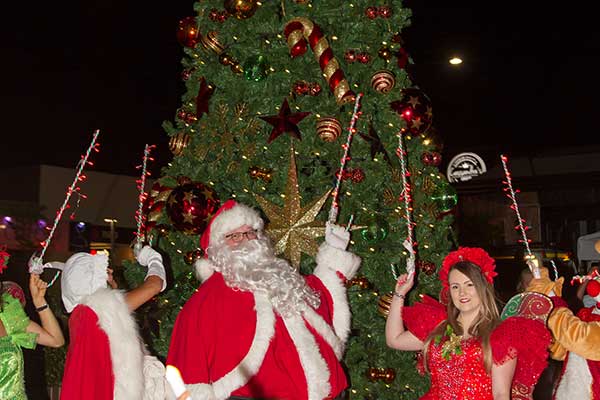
(237, 68)
(241, 9)
(428, 185)
(597, 246)
(386, 375)
(389, 198)
(383, 81)
(383, 306)
(359, 281)
(329, 129)
(293, 228)
(263, 174)
(225, 59)
(210, 41)
(192, 256)
(178, 142)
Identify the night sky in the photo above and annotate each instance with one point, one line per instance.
(529, 81)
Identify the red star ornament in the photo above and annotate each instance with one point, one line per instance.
(285, 121)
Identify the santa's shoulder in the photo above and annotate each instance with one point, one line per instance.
(213, 293)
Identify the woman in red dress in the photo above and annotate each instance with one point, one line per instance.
(467, 350)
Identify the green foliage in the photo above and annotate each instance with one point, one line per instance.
(231, 139)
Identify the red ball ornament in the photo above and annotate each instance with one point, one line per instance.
(301, 87)
(314, 89)
(363, 57)
(427, 158)
(426, 266)
(371, 12)
(190, 206)
(358, 175)
(385, 12)
(187, 32)
(222, 16)
(437, 158)
(213, 14)
(350, 56)
(415, 109)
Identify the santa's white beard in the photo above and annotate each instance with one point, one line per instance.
(253, 266)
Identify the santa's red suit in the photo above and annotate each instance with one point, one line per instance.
(105, 357)
(228, 342)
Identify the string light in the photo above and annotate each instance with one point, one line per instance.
(140, 218)
(333, 211)
(407, 195)
(79, 177)
(512, 195)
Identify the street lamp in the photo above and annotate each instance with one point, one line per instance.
(112, 223)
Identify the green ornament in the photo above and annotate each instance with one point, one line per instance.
(255, 68)
(444, 197)
(376, 231)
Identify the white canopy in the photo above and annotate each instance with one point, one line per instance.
(585, 247)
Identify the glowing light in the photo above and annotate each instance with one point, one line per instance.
(455, 61)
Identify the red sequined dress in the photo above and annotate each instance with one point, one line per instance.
(456, 366)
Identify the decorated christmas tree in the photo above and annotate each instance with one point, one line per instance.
(291, 106)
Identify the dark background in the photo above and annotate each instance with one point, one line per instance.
(528, 83)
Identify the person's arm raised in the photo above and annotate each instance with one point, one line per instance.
(155, 281)
(396, 336)
(49, 333)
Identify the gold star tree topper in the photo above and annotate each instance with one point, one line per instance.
(293, 228)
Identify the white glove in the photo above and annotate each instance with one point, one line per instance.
(153, 260)
(336, 236)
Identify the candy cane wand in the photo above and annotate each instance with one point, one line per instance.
(79, 177)
(407, 194)
(333, 211)
(140, 218)
(512, 195)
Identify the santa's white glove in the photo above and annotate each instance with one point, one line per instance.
(153, 260)
(336, 236)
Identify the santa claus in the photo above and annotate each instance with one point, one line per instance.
(256, 328)
(576, 340)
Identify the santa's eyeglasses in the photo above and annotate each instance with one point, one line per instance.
(239, 236)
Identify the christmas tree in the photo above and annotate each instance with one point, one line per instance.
(271, 91)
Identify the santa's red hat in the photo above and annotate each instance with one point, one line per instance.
(230, 216)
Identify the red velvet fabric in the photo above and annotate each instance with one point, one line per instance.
(88, 368)
(214, 331)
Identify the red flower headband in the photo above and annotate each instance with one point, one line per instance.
(475, 255)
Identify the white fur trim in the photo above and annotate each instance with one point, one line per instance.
(204, 269)
(338, 260)
(249, 366)
(323, 328)
(231, 219)
(576, 382)
(126, 353)
(201, 391)
(327, 258)
(314, 366)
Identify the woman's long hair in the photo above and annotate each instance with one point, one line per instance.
(485, 322)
